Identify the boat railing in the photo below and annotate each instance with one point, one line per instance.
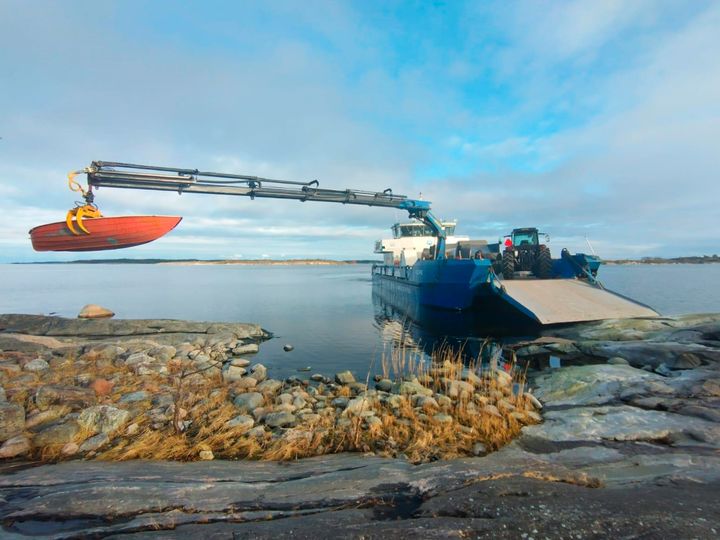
(398, 272)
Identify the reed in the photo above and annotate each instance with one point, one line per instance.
(460, 404)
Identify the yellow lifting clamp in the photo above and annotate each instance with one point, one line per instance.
(81, 211)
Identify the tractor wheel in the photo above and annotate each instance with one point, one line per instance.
(544, 264)
(497, 265)
(508, 265)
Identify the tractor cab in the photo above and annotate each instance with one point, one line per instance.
(529, 236)
(523, 252)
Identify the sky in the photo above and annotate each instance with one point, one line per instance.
(592, 120)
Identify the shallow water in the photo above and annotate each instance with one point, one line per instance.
(326, 312)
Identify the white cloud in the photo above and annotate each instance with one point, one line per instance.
(576, 117)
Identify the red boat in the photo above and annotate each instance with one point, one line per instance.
(104, 233)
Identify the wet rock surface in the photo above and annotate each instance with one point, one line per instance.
(622, 452)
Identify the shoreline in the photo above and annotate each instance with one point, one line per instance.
(629, 427)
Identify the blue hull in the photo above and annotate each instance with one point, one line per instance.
(451, 284)
(468, 291)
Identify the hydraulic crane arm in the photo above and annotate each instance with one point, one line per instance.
(133, 176)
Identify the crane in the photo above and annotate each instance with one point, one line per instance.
(150, 177)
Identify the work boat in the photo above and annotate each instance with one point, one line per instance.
(512, 281)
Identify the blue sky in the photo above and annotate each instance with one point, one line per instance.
(597, 119)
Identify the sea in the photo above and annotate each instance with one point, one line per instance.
(327, 313)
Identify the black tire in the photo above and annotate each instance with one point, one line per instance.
(544, 264)
(508, 265)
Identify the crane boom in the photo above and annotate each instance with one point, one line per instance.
(149, 177)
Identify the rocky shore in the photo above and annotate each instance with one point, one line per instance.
(628, 446)
(173, 390)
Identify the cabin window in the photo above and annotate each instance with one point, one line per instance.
(525, 238)
(449, 229)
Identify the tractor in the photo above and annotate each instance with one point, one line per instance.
(523, 252)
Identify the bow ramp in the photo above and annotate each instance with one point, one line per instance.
(556, 301)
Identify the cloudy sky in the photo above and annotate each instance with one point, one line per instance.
(587, 119)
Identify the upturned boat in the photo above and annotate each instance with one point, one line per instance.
(102, 233)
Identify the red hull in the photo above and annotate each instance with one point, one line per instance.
(105, 233)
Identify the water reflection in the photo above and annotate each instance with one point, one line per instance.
(460, 335)
(432, 333)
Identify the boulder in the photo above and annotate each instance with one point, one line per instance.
(139, 358)
(57, 434)
(280, 419)
(93, 311)
(503, 377)
(257, 431)
(357, 387)
(357, 406)
(492, 410)
(425, 402)
(591, 384)
(37, 365)
(246, 383)
(240, 362)
(70, 449)
(384, 385)
(94, 443)
(233, 373)
(456, 388)
(270, 386)
(344, 377)
(103, 419)
(242, 421)
(154, 368)
(163, 353)
(248, 348)
(340, 402)
(709, 387)
(133, 397)
(38, 418)
(248, 401)
(299, 402)
(15, 446)
(103, 353)
(258, 372)
(443, 401)
(12, 420)
(410, 388)
(479, 449)
(206, 455)
(102, 387)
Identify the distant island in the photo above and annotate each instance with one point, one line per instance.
(703, 259)
(279, 262)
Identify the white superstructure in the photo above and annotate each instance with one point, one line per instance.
(412, 241)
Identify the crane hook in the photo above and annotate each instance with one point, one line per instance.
(81, 211)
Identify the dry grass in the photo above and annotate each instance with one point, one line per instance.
(402, 429)
(399, 426)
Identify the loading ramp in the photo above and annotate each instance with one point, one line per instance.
(558, 301)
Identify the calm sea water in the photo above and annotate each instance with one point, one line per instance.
(325, 312)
